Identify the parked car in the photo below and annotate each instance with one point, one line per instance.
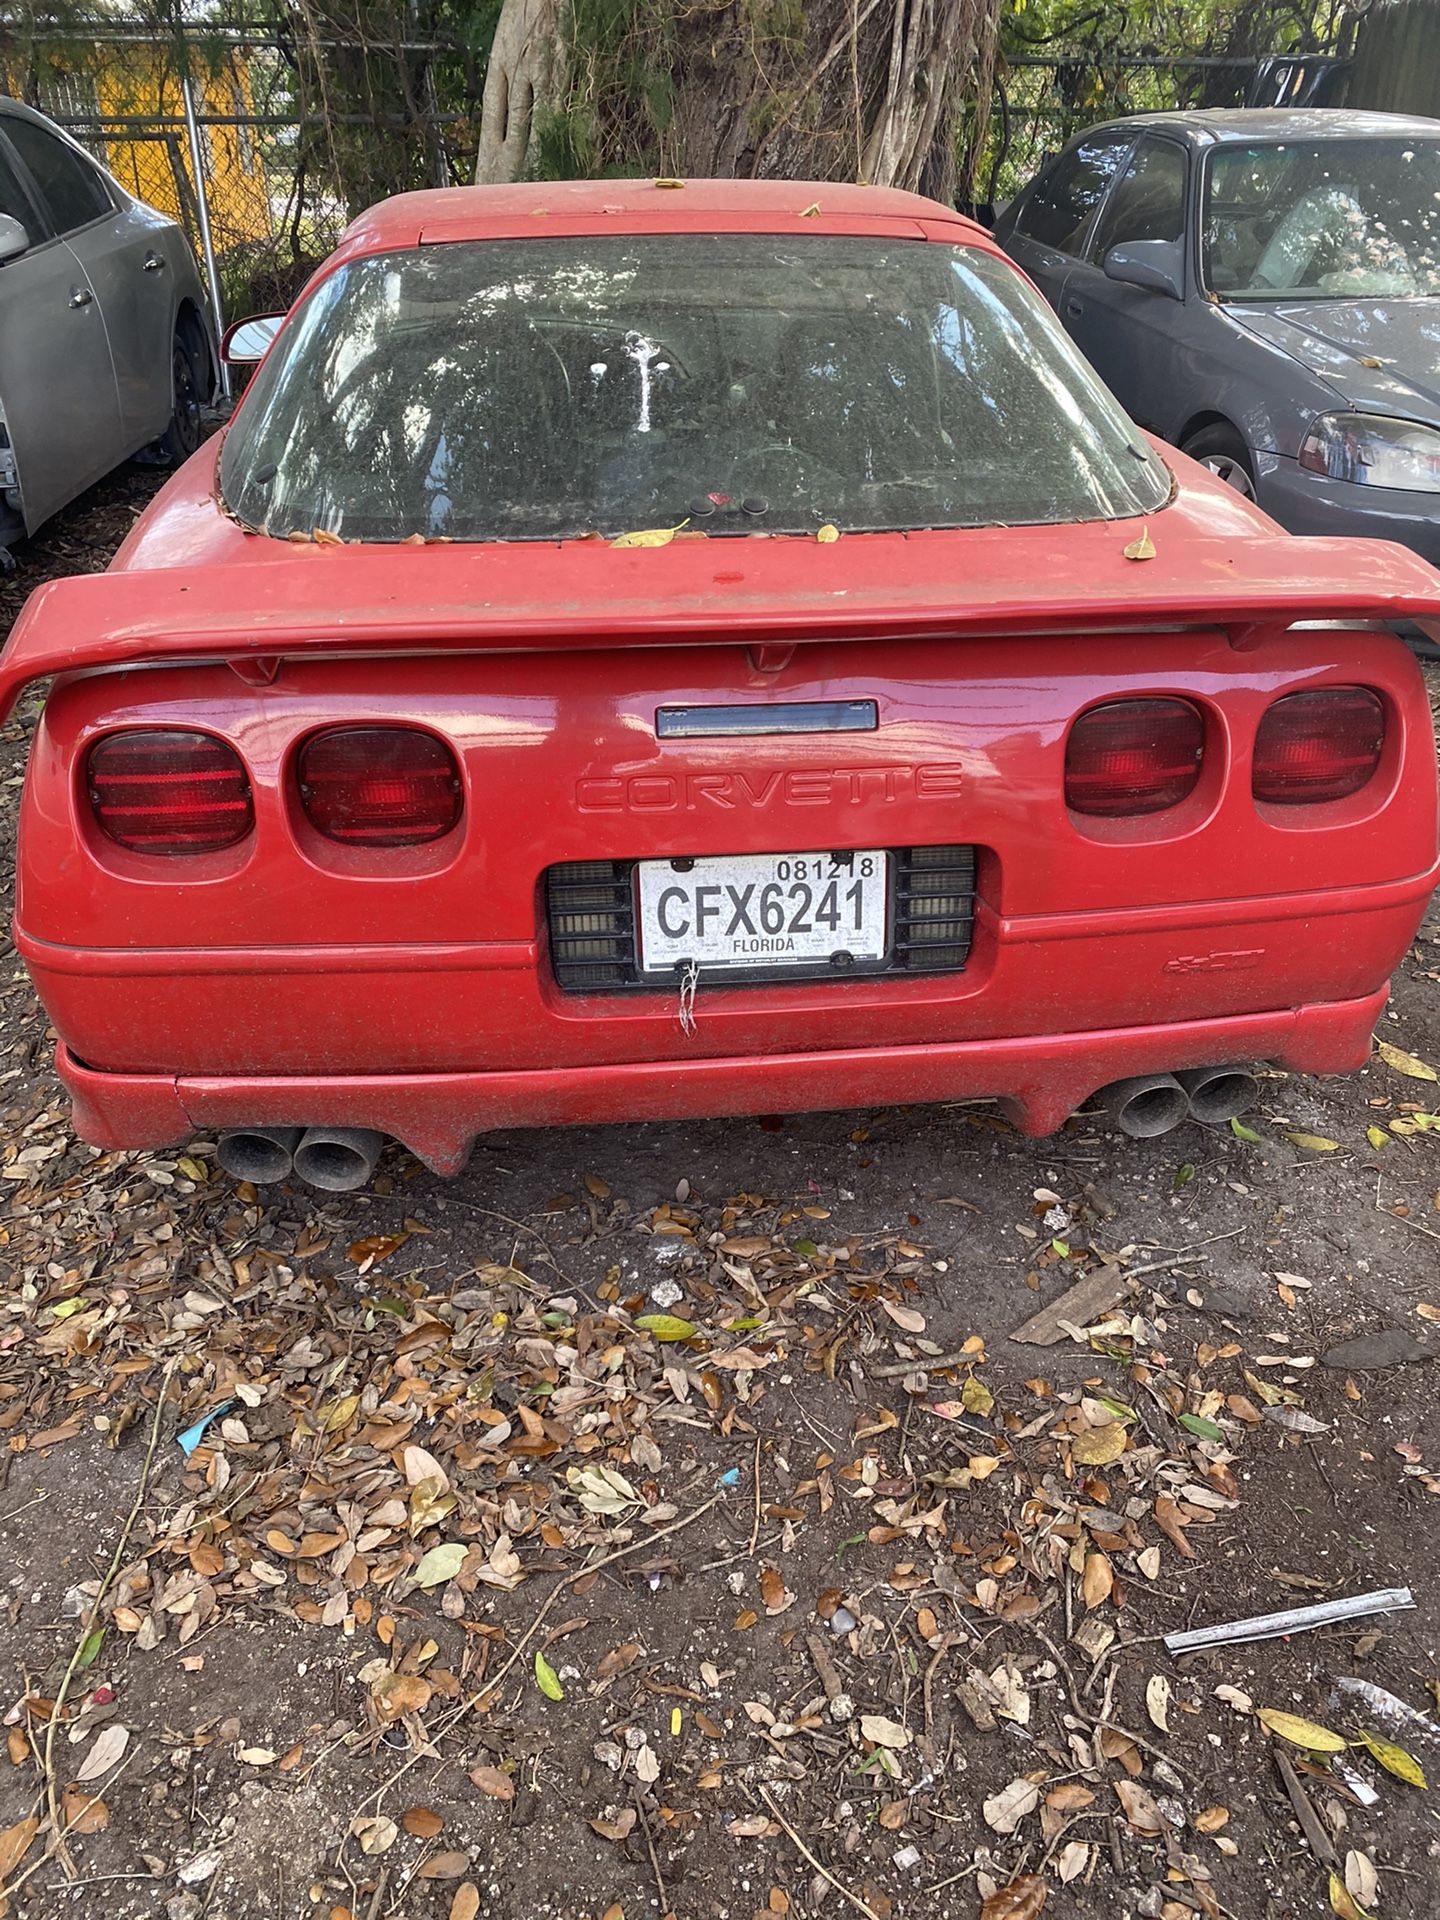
(105, 339)
(1262, 288)
(653, 651)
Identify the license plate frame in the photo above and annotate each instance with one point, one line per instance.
(730, 931)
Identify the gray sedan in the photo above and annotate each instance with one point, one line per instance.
(1262, 288)
(106, 345)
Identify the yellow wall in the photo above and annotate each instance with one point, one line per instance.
(140, 83)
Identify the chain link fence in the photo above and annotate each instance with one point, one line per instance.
(281, 169)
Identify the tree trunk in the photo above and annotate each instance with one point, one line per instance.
(525, 77)
(849, 90)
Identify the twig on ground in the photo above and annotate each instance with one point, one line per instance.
(755, 1529)
(823, 1871)
(57, 1712)
(377, 1898)
(38, 1501)
(927, 1363)
(650, 1849)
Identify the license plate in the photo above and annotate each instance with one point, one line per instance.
(749, 911)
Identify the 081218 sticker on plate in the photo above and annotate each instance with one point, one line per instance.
(746, 911)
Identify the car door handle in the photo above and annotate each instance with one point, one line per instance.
(80, 296)
(1074, 308)
(153, 263)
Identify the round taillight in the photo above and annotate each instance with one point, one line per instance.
(379, 786)
(1133, 757)
(160, 790)
(1323, 744)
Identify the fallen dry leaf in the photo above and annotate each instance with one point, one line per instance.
(445, 1866)
(1021, 1900)
(1301, 1733)
(1098, 1580)
(1157, 1701)
(107, 1748)
(15, 1844)
(1006, 1809)
(376, 1833)
(1140, 1808)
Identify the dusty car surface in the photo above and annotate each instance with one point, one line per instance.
(933, 738)
(1262, 288)
(105, 340)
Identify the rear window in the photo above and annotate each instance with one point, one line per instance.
(513, 390)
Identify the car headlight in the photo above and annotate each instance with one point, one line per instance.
(1374, 451)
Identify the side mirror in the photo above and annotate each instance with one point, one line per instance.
(247, 342)
(14, 240)
(1156, 265)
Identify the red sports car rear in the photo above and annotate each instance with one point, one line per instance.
(643, 652)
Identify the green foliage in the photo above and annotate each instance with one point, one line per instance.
(1105, 59)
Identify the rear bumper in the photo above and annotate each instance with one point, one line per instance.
(1039, 1081)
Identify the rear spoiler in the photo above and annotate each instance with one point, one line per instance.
(280, 600)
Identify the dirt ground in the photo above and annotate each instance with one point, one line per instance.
(852, 1603)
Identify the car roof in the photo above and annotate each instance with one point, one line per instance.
(1216, 126)
(693, 205)
(18, 110)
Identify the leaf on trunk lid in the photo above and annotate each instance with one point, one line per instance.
(1141, 548)
(649, 536)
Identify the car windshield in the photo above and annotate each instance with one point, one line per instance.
(512, 390)
(1324, 217)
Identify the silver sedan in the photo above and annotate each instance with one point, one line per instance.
(106, 344)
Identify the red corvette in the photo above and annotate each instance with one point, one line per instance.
(659, 649)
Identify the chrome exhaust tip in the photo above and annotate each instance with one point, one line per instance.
(338, 1159)
(1217, 1094)
(260, 1155)
(1147, 1105)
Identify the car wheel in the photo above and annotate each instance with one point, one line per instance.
(182, 436)
(1223, 451)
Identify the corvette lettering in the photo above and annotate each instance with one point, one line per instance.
(758, 789)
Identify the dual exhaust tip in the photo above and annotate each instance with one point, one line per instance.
(1152, 1103)
(340, 1159)
(334, 1159)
